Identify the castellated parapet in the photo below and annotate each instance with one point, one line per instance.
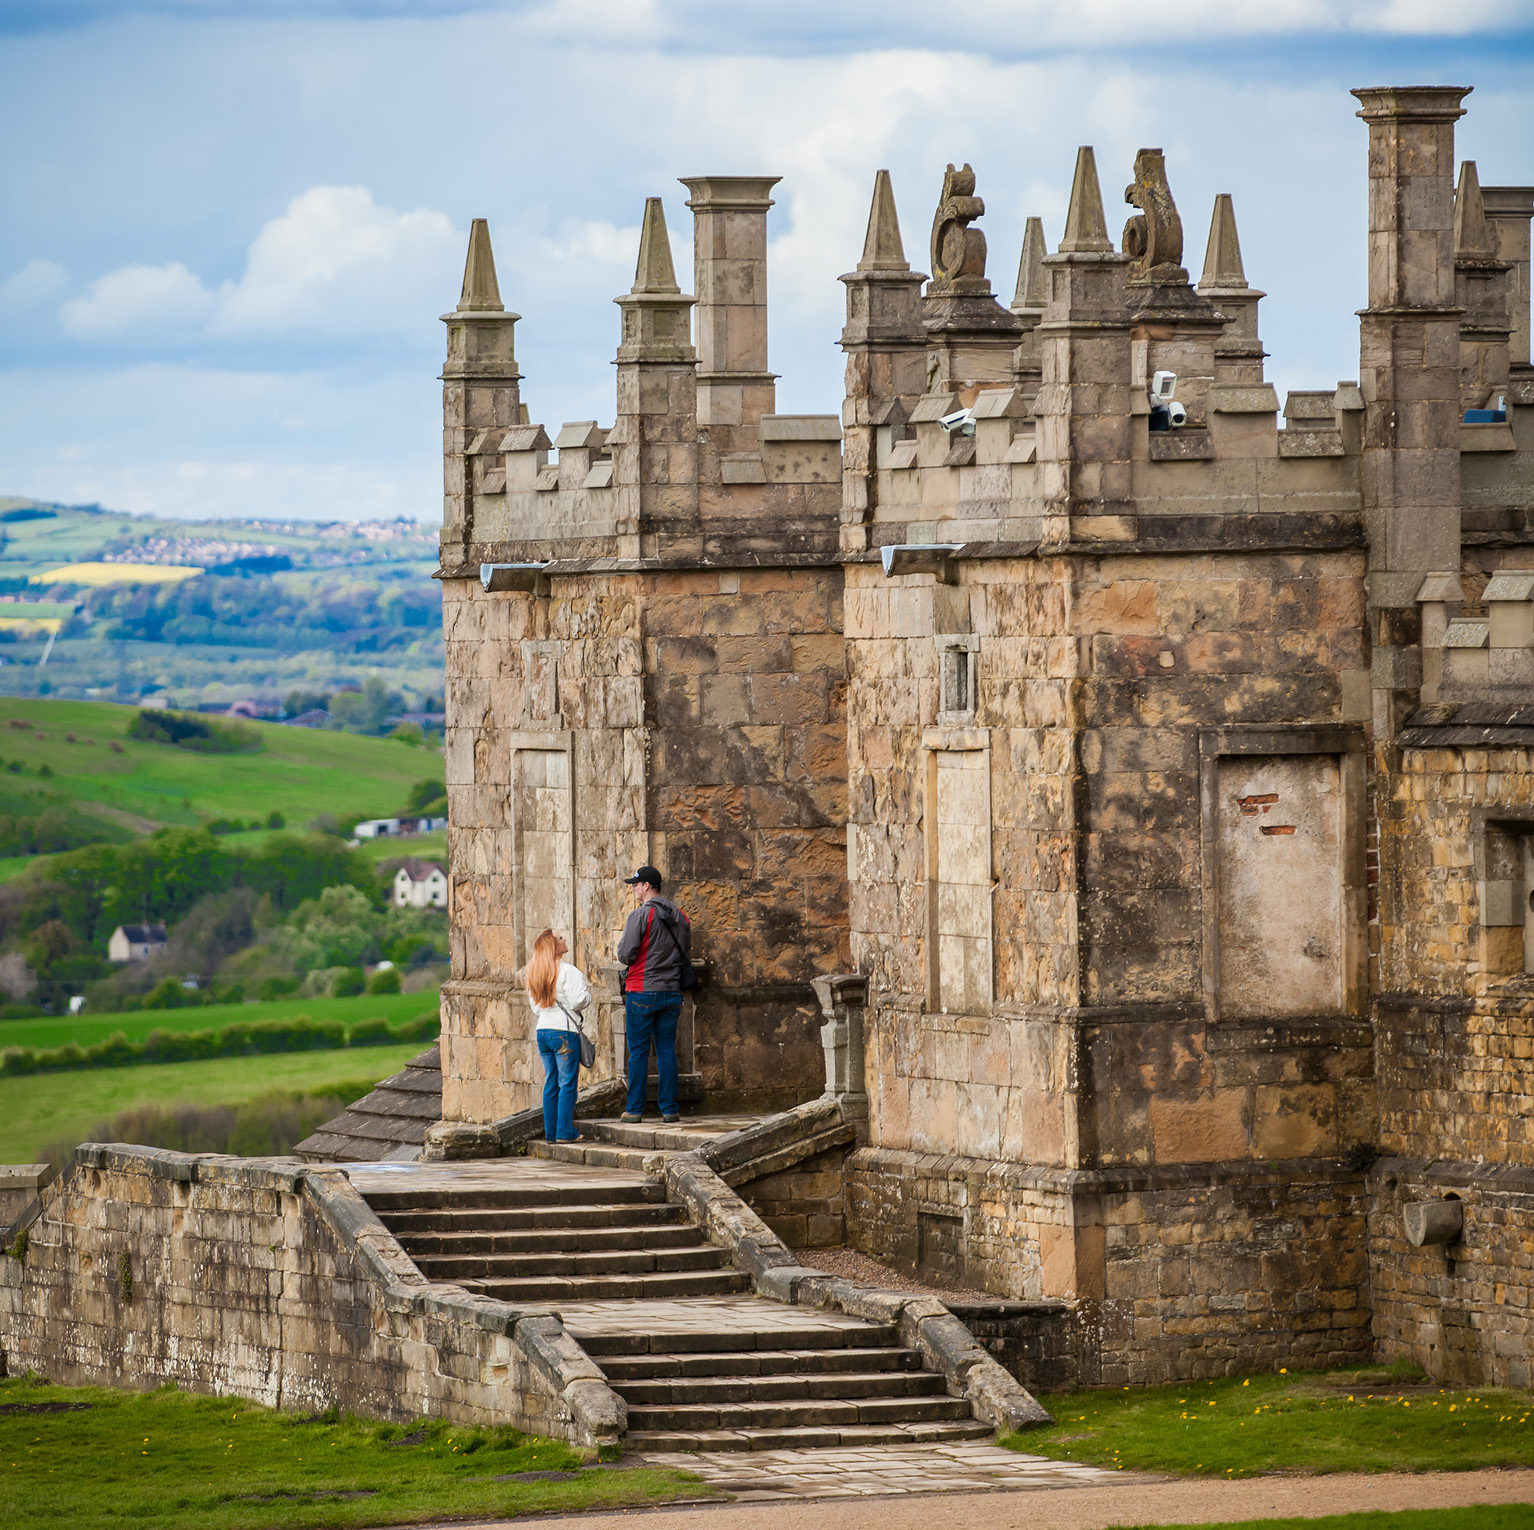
(1160, 753)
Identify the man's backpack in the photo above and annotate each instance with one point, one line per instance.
(689, 976)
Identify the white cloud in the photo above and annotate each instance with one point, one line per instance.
(337, 262)
(34, 284)
(136, 298)
(333, 263)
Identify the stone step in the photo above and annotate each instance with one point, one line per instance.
(823, 1413)
(758, 1362)
(549, 1240)
(728, 1340)
(600, 1192)
(651, 1137)
(612, 1288)
(530, 1218)
(608, 1261)
(814, 1387)
(668, 1440)
(599, 1155)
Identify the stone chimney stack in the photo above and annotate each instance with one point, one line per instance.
(886, 358)
(1083, 405)
(1480, 288)
(1409, 359)
(481, 397)
(735, 389)
(1508, 210)
(654, 442)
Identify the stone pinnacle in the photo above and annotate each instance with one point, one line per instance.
(655, 272)
(1031, 292)
(882, 249)
(1222, 259)
(1472, 237)
(1086, 229)
(481, 292)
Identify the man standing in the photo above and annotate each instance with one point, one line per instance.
(656, 944)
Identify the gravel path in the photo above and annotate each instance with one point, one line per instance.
(1178, 1502)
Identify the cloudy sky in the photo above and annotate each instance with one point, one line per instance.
(227, 227)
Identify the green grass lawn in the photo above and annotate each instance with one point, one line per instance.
(44, 1107)
(1337, 1421)
(166, 1460)
(135, 1024)
(300, 774)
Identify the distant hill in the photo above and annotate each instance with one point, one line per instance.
(76, 760)
(215, 612)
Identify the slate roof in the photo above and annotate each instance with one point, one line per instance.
(144, 934)
(390, 1122)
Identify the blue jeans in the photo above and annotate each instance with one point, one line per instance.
(652, 1017)
(561, 1054)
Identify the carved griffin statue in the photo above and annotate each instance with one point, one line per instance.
(958, 251)
(1153, 237)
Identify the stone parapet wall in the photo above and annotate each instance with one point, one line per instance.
(1464, 1310)
(274, 1281)
(1176, 1273)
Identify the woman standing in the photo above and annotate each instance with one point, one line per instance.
(558, 993)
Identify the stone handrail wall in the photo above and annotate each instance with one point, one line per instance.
(696, 1180)
(273, 1280)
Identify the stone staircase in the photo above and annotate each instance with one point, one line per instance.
(563, 1239)
(772, 1388)
(700, 1362)
(617, 1144)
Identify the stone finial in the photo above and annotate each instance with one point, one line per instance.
(1472, 234)
(1032, 289)
(1086, 229)
(882, 248)
(1222, 259)
(1153, 237)
(481, 291)
(958, 251)
(654, 272)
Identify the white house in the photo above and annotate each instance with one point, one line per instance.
(376, 828)
(420, 884)
(133, 942)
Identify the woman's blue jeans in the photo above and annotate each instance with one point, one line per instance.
(561, 1054)
(651, 1018)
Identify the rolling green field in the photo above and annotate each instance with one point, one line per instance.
(44, 1107)
(55, 1031)
(301, 773)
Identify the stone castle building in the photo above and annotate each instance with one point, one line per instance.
(1133, 778)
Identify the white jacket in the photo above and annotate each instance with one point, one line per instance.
(570, 990)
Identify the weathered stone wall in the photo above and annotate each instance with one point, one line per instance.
(806, 1205)
(260, 1278)
(1175, 1273)
(692, 720)
(1105, 692)
(1464, 1310)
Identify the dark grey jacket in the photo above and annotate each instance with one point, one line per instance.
(654, 940)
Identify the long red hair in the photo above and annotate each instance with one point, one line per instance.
(542, 970)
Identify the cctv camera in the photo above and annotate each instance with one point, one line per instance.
(1163, 387)
(961, 421)
(1176, 415)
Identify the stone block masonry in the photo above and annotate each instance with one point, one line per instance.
(274, 1281)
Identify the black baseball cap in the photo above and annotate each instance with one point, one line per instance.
(647, 874)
